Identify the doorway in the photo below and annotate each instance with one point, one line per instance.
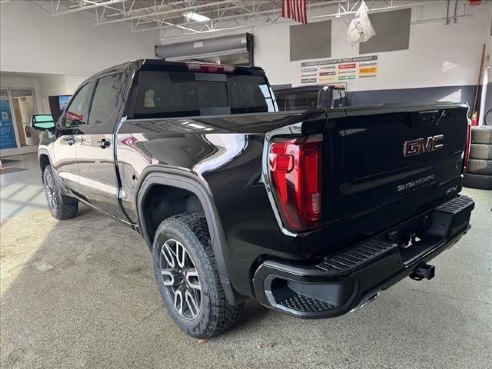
(16, 108)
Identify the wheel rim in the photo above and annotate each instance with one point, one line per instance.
(50, 191)
(180, 279)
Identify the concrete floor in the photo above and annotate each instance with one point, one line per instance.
(80, 294)
(21, 192)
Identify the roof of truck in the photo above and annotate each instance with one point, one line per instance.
(138, 64)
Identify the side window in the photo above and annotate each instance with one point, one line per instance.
(76, 108)
(105, 99)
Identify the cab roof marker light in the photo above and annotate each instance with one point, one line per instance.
(211, 68)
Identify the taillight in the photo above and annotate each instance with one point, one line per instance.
(467, 147)
(295, 173)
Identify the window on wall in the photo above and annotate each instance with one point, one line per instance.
(392, 32)
(310, 41)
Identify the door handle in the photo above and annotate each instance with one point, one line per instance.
(70, 140)
(103, 143)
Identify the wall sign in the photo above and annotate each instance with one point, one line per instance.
(339, 70)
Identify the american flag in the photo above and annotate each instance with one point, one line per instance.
(295, 9)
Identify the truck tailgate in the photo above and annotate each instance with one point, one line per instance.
(389, 162)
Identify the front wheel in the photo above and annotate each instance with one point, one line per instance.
(187, 277)
(61, 207)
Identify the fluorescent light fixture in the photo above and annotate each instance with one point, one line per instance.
(196, 17)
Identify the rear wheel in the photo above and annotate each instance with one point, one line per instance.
(61, 206)
(187, 277)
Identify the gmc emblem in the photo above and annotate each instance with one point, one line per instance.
(423, 145)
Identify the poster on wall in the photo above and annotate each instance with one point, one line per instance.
(7, 134)
(339, 70)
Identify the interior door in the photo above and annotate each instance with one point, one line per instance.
(24, 107)
(64, 158)
(96, 150)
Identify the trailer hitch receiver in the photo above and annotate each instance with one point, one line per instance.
(423, 271)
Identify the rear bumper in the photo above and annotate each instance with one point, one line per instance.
(349, 279)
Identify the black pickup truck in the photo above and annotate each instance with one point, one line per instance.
(312, 213)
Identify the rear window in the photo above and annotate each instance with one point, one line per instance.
(164, 94)
(300, 100)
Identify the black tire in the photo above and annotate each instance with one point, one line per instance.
(478, 166)
(61, 206)
(481, 135)
(477, 181)
(215, 314)
(481, 151)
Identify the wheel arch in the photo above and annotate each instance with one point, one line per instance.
(44, 161)
(186, 181)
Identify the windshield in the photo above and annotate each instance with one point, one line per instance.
(164, 94)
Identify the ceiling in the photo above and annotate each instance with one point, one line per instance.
(169, 16)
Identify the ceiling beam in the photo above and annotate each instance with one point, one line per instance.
(247, 16)
(164, 12)
(92, 5)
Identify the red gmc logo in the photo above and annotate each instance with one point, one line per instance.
(423, 145)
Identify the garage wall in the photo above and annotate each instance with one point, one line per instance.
(441, 64)
(66, 44)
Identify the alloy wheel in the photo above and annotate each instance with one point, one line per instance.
(180, 279)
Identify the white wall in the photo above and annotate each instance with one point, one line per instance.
(55, 85)
(33, 41)
(44, 85)
(439, 54)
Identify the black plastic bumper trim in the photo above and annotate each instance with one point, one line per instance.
(341, 282)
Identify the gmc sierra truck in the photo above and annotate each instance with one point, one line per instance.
(312, 213)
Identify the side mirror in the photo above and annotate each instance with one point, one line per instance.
(42, 121)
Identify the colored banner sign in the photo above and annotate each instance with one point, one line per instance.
(338, 70)
(347, 66)
(370, 70)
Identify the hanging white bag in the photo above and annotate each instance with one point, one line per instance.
(360, 29)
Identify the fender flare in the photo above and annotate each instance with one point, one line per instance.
(43, 152)
(184, 179)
